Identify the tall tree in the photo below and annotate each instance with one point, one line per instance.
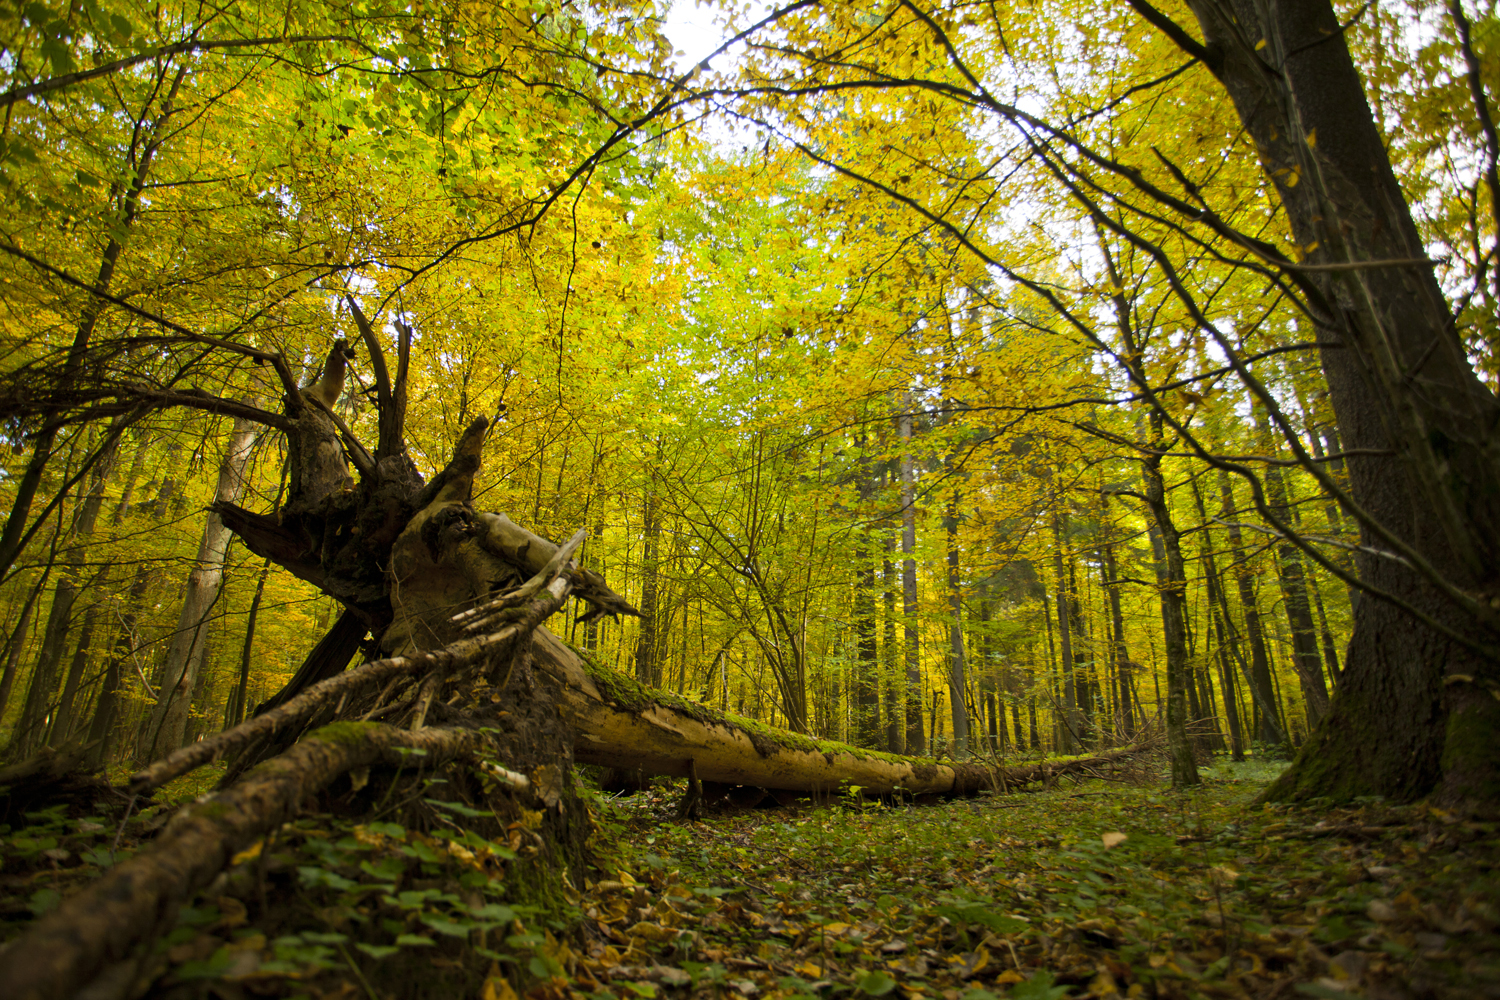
(168, 725)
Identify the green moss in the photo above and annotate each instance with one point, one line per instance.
(345, 732)
(211, 810)
(1470, 772)
(1321, 769)
(634, 696)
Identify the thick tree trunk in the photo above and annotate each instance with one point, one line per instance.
(1413, 711)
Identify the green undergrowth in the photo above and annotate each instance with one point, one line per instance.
(1088, 890)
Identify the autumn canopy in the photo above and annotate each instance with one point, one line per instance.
(885, 396)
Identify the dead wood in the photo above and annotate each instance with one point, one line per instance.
(676, 739)
(48, 776)
(365, 678)
(139, 898)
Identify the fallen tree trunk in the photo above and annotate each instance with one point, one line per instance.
(102, 929)
(623, 725)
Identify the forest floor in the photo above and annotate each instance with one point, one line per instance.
(1086, 890)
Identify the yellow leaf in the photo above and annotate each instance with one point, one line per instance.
(809, 970)
(1260, 45)
(497, 988)
(1312, 139)
(249, 853)
(1113, 839)
(1010, 976)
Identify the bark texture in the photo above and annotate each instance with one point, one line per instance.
(1413, 712)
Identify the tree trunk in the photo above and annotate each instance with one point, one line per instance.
(1400, 382)
(1294, 589)
(1174, 621)
(893, 686)
(16, 644)
(1121, 654)
(168, 725)
(107, 709)
(1223, 642)
(916, 741)
(1268, 724)
(956, 667)
(235, 711)
(1068, 710)
(647, 669)
(31, 730)
(62, 722)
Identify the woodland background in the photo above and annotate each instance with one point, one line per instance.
(861, 481)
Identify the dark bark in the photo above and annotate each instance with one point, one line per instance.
(31, 730)
(17, 643)
(1172, 583)
(326, 659)
(1406, 720)
(957, 676)
(1064, 669)
(1268, 729)
(866, 680)
(893, 687)
(62, 722)
(234, 712)
(1225, 642)
(1294, 587)
(106, 712)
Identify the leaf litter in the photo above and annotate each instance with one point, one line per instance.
(1090, 891)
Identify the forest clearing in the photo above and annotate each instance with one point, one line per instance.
(1046, 452)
